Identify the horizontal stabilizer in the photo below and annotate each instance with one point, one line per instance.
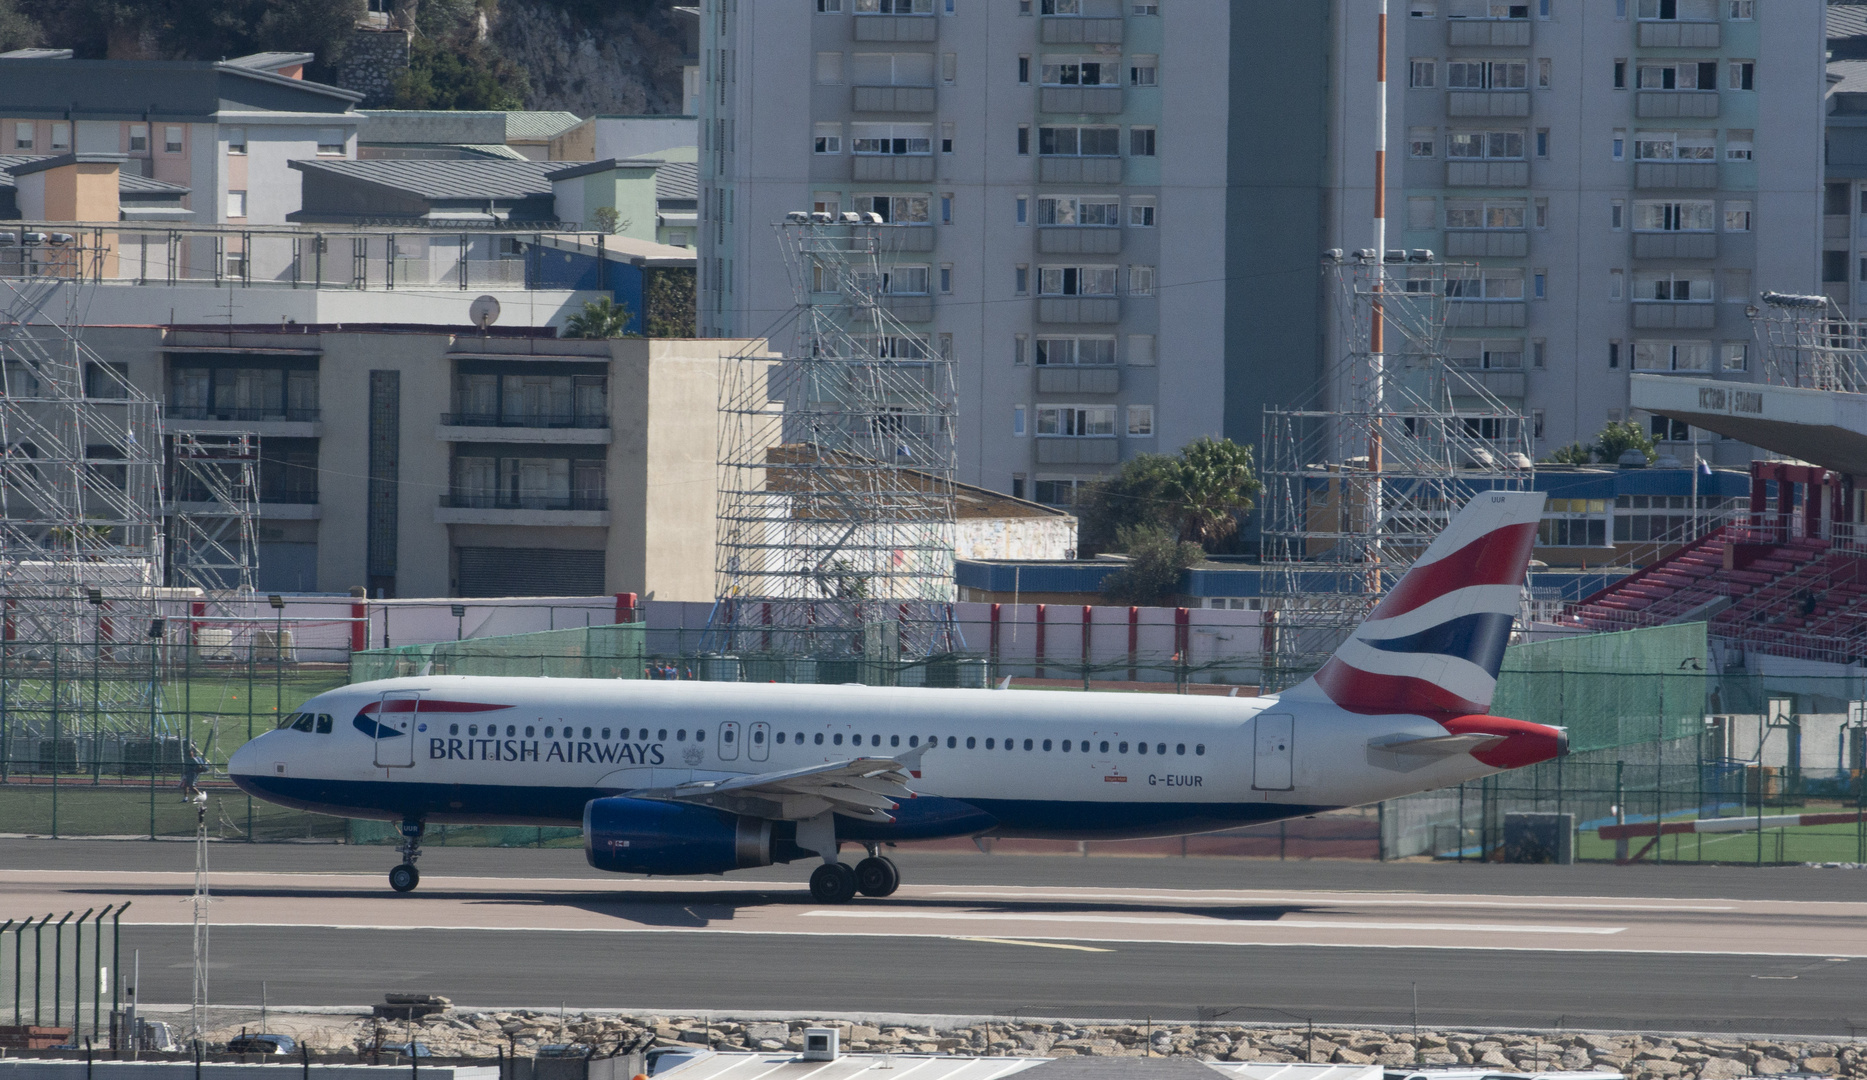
(1435, 746)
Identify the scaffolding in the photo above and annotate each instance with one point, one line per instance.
(214, 487)
(836, 507)
(1338, 529)
(81, 543)
(1808, 342)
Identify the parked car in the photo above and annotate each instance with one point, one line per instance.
(244, 1043)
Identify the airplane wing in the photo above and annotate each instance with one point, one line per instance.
(865, 788)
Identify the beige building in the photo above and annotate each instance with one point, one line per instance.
(435, 463)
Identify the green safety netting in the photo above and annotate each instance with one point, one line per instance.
(583, 652)
(1620, 689)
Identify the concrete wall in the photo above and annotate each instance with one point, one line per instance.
(636, 136)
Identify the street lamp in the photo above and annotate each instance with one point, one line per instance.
(460, 617)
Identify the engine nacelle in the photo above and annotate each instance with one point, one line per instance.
(642, 836)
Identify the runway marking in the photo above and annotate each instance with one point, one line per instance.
(1305, 924)
(1033, 944)
(1345, 899)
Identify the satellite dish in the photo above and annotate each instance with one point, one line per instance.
(484, 312)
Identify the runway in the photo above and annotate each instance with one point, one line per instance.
(1703, 949)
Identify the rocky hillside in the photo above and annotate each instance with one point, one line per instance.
(625, 60)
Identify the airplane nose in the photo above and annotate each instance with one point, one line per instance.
(241, 762)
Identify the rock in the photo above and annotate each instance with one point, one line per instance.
(1772, 1066)
(862, 1033)
(1657, 1053)
(1826, 1065)
(696, 1035)
(1496, 1058)
(762, 1032)
(1035, 1041)
(1658, 1067)
(1723, 1068)
(1242, 1052)
(770, 1044)
(1438, 1057)
(1345, 1056)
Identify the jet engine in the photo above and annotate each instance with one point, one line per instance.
(642, 836)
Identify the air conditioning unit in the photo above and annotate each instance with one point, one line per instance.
(820, 1044)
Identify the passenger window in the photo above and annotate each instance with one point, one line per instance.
(1046, 744)
(1200, 749)
(681, 735)
(586, 733)
(699, 735)
(1139, 748)
(1086, 746)
(605, 734)
(819, 739)
(989, 745)
(952, 740)
(971, 742)
(913, 740)
(548, 732)
(780, 738)
(799, 738)
(726, 735)
(1105, 746)
(1066, 746)
(324, 723)
(473, 729)
(1027, 744)
(1124, 748)
(1180, 749)
(838, 740)
(530, 731)
(662, 735)
(1160, 748)
(453, 729)
(894, 740)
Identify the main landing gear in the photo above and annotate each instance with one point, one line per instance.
(838, 882)
(405, 877)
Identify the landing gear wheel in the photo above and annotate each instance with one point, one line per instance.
(404, 878)
(833, 883)
(877, 876)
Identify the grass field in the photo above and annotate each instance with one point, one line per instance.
(1798, 844)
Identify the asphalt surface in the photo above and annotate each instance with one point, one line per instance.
(1653, 948)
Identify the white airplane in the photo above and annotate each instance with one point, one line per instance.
(703, 778)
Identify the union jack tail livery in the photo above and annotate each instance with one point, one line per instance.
(1433, 645)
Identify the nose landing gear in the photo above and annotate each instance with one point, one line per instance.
(405, 877)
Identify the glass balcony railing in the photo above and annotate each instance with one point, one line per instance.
(524, 420)
(490, 501)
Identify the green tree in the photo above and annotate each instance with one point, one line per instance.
(1135, 497)
(603, 318)
(465, 73)
(1618, 438)
(1151, 576)
(1211, 486)
(670, 302)
(193, 29)
(18, 30)
(1572, 454)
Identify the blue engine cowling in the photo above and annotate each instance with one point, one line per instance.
(642, 836)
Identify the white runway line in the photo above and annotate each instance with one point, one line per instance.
(1306, 924)
(1342, 899)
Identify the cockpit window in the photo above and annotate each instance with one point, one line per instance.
(324, 723)
(287, 720)
(304, 722)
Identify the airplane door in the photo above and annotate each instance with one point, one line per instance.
(729, 741)
(395, 729)
(759, 749)
(1275, 740)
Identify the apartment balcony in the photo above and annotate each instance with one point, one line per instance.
(1671, 34)
(1676, 245)
(1504, 384)
(555, 429)
(1079, 380)
(1488, 174)
(1098, 310)
(907, 238)
(892, 167)
(1080, 100)
(1487, 103)
(1079, 240)
(1078, 170)
(893, 99)
(1488, 33)
(913, 309)
(575, 511)
(1075, 30)
(1078, 451)
(897, 28)
(1676, 104)
(1676, 175)
(1486, 314)
(1493, 245)
(1671, 315)
(278, 423)
(1837, 226)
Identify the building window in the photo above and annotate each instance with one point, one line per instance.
(1423, 9)
(1076, 281)
(1140, 421)
(1078, 141)
(1080, 71)
(1141, 350)
(829, 68)
(891, 139)
(1737, 215)
(1017, 421)
(1617, 214)
(1024, 139)
(1468, 282)
(1075, 351)
(1487, 74)
(949, 67)
(894, 7)
(1734, 285)
(1484, 213)
(1536, 424)
(1141, 212)
(236, 204)
(1017, 485)
(829, 7)
(1493, 145)
(1734, 356)
(1614, 354)
(1620, 144)
(61, 135)
(1539, 359)
(1024, 69)
(1018, 343)
(1422, 73)
(1539, 283)
(1421, 142)
(1675, 146)
(946, 137)
(22, 135)
(1617, 284)
(896, 209)
(1682, 10)
(1743, 75)
(1024, 209)
(1545, 71)
(1146, 7)
(1672, 286)
(1738, 145)
(946, 208)
(1103, 210)
(1542, 142)
(1502, 354)
(1542, 213)
(1685, 215)
(1144, 71)
(1620, 74)
(1672, 356)
(1057, 491)
(331, 143)
(1021, 280)
(1743, 10)
(1679, 75)
(946, 277)
(236, 140)
(139, 138)
(1140, 142)
(827, 139)
(1076, 421)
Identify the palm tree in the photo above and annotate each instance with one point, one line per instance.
(603, 318)
(1211, 483)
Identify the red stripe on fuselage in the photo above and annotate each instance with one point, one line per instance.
(1499, 557)
(429, 705)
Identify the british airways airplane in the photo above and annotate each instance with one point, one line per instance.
(704, 778)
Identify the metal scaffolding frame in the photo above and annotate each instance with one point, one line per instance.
(1809, 342)
(836, 506)
(1336, 531)
(214, 489)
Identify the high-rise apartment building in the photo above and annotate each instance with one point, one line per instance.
(1116, 209)
(1622, 176)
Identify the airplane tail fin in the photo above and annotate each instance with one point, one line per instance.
(1434, 644)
